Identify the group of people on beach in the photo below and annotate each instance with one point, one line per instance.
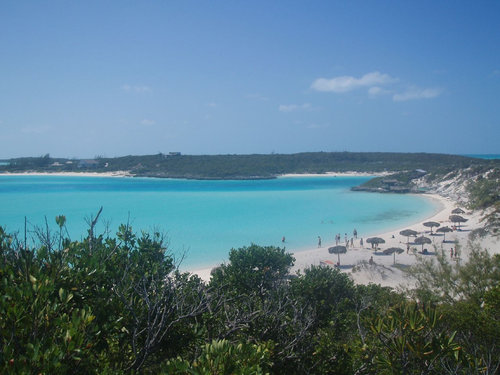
(453, 253)
(348, 242)
(338, 239)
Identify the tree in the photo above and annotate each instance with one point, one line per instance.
(492, 220)
(254, 269)
(221, 357)
(327, 291)
(410, 341)
(330, 294)
(439, 280)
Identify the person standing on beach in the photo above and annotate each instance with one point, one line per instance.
(319, 241)
(361, 242)
(355, 233)
(352, 242)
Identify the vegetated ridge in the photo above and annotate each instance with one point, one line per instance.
(254, 166)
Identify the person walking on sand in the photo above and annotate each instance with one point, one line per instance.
(352, 242)
(361, 242)
(355, 233)
(319, 241)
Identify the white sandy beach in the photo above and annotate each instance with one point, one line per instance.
(72, 174)
(128, 174)
(382, 270)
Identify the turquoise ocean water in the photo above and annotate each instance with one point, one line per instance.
(484, 156)
(208, 218)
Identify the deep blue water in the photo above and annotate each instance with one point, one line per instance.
(208, 218)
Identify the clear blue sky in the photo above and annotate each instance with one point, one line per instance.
(111, 78)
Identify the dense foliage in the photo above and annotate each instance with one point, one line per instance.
(484, 194)
(120, 305)
(252, 166)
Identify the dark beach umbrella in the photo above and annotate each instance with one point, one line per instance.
(393, 250)
(458, 211)
(375, 241)
(444, 230)
(457, 219)
(422, 241)
(431, 224)
(407, 233)
(339, 249)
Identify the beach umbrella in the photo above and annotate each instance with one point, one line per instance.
(339, 249)
(444, 230)
(422, 241)
(407, 233)
(431, 224)
(393, 250)
(457, 219)
(458, 211)
(375, 241)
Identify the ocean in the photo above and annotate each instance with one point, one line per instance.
(205, 219)
(483, 156)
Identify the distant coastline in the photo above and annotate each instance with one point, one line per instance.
(128, 174)
(70, 174)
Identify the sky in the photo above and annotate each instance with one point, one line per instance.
(113, 78)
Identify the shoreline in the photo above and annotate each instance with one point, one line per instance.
(71, 174)
(335, 174)
(128, 174)
(382, 271)
(357, 258)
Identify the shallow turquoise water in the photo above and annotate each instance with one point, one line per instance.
(208, 218)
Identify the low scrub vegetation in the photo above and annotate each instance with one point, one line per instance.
(120, 305)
